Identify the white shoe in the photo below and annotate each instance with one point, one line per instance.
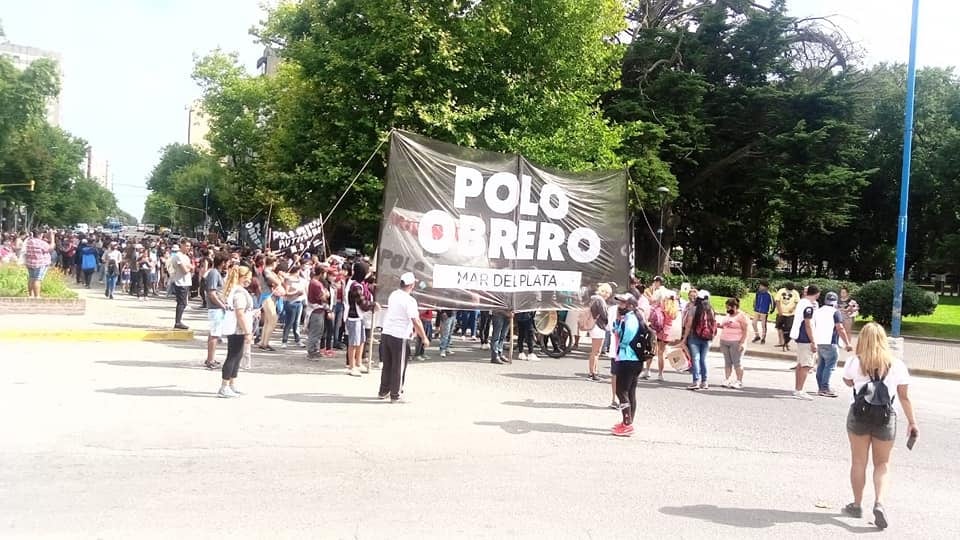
(484, 346)
(450, 352)
(532, 357)
(660, 377)
(364, 369)
(726, 383)
(236, 390)
(419, 358)
(424, 357)
(523, 356)
(443, 354)
(802, 395)
(737, 385)
(354, 372)
(226, 392)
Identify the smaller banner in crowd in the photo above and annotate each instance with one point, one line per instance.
(307, 238)
(251, 234)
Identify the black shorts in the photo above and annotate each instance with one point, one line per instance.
(784, 322)
(886, 432)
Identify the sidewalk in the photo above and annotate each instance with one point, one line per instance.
(121, 319)
(940, 359)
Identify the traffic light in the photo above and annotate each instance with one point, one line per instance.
(33, 184)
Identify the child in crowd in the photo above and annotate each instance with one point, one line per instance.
(125, 277)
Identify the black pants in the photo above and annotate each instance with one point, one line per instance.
(326, 342)
(393, 357)
(627, 373)
(525, 328)
(88, 276)
(484, 327)
(182, 294)
(139, 284)
(231, 366)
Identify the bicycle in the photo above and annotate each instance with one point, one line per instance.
(554, 338)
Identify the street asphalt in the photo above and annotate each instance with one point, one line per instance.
(128, 440)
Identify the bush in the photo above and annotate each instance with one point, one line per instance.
(13, 283)
(729, 286)
(876, 301)
(824, 284)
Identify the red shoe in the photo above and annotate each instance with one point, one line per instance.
(621, 430)
(617, 429)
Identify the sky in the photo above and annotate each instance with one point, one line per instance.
(127, 63)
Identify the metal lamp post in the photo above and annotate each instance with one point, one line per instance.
(905, 178)
(663, 191)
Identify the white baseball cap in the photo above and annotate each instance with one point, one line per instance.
(407, 279)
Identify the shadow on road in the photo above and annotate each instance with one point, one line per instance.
(261, 365)
(327, 398)
(156, 391)
(547, 405)
(759, 518)
(542, 377)
(520, 427)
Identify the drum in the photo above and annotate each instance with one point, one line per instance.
(545, 322)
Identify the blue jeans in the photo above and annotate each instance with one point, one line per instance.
(470, 322)
(446, 332)
(828, 360)
(111, 285)
(291, 320)
(428, 330)
(501, 326)
(698, 356)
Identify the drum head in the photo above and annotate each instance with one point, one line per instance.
(545, 322)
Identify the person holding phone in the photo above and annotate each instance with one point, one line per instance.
(874, 365)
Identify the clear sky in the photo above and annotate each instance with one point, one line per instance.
(127, 63)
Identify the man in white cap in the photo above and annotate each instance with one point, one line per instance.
(400, 322)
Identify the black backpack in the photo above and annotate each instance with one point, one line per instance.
(644, 342)
(873, 404)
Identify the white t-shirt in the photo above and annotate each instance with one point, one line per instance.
(824, 325)
(401, 310)
(238, 298)
(798, 319)
(897, 374)
(181, 278)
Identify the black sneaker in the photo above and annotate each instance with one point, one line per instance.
(853, 510)
(756, 339)
(496, 361)
(181, 326)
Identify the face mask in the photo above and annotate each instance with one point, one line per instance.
(622, 311)
(731, 312)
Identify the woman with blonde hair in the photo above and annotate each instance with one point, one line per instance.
(874, 374)
(271, 287)
(237, 326)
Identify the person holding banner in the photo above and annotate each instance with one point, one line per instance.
(400, 323)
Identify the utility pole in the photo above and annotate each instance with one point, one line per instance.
(900, 267)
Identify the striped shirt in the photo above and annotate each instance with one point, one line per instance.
(37, 253)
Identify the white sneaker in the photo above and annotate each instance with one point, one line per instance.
(354, 372)
(419, 358)
(226, 392)
(236, 390)
(443, 354)
(450, 352)
(364, 369)
(726, 384)
(424, 357)
(737, 385)
(802, 395)
(532, 357)
(523, 356)
(660, 377)
(484, 346)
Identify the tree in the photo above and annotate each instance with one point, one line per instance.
(481, 74)
(187, 185)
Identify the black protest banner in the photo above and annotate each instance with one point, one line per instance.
(307, 238)
(495, 231)
(251, 234)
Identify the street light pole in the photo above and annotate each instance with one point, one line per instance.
(900, 267)
(663, 191)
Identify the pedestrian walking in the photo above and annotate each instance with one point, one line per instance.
(803, 332)
(501, 328)
(762, 306)
(37, 260)
(181, 271)
(699, 331)
(88, 262)
(877, 379)
(733, 338)
(828, 330)
(237, 326)
(786, 300)
(400, 323)
(295, 293)
(448, 318)
(525, 334)
(627, 364)
(112, 258)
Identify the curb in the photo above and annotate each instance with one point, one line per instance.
(115, 334)
(919, 372)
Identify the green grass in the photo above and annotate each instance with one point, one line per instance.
(943, 324)
(13, 283)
